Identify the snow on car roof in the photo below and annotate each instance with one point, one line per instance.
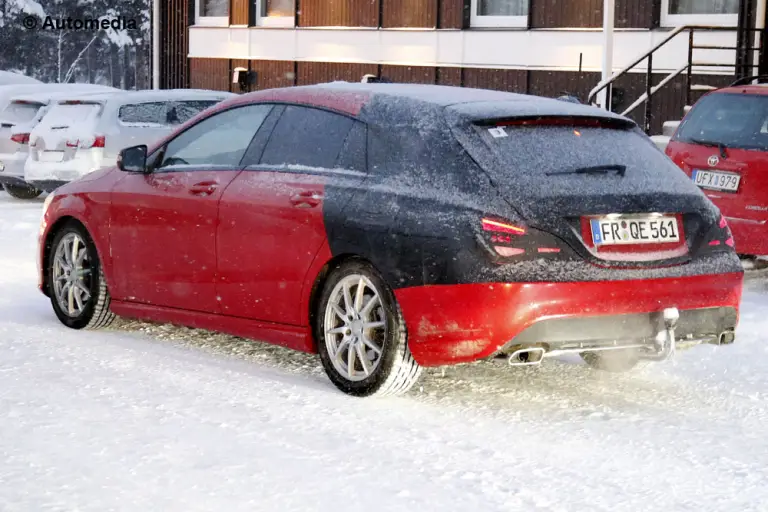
(9, 77)
(47, 96)
(156, 95)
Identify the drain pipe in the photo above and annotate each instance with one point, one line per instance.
(609, 21)
(156, 44)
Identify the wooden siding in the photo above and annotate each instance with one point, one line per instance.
(214, 74)
(409, 13)
(339, 13)
(175, 17)
(511, 80)
(410, 74)
(273, 73)
(320, 72)
(238, 12)
(449, 76)
(589, 13)
(453, 13)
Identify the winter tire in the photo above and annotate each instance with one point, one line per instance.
(22, 191)
(76, 282)
(361, 334)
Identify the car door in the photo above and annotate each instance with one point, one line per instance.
(273, 217)
(163, 224)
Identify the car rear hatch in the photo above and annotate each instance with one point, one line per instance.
(592, 179)
(16, 113)
(63, 130)
(722, 145)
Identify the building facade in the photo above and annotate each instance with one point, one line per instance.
(544, 47)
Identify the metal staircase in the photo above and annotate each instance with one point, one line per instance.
(743, 66)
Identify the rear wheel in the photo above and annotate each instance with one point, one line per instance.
(22, 191)
(361, 335)
(615, 361)
(76, 282)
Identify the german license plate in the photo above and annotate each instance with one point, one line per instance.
(51, 156)
(634, 230)
(714, 180)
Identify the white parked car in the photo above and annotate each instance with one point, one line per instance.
(17, 119)
(9, 77)
(80, 135)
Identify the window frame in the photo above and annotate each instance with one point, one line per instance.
(210, 21)
(156, 157)
(478, 21)
(262, 20)
(677, 20)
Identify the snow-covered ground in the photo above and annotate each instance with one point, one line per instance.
(159, 418)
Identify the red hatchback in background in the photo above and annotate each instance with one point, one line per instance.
(722, 144)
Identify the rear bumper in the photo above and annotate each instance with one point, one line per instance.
(463, 323)
(47, 174)
(750, 236)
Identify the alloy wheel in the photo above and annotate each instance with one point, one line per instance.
(72, 275)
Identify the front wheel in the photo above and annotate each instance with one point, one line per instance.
(361, 334)
(22, 191)
(76, 282)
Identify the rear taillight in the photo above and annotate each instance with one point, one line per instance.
(720, 235)
(86, 143)
(20, 138)
(509, 242)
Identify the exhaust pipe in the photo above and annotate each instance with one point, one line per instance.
(726, 338)
(527, 357)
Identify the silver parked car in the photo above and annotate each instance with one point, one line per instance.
(17, 119)
(9, 77)
(81, 135)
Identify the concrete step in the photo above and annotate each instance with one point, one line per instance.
(670, 127)
(687, 109)
(661, 141)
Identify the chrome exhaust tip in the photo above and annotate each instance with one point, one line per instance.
(726, 338)
(527, 356)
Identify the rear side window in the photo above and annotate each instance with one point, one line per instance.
(20, 112)
(308, 137)
(144, 113)
(734, 120)
(183, 111)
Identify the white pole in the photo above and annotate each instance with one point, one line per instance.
(609, 9)
(156, 44)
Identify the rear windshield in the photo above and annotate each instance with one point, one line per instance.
(20, 112)
(66, 115)
(543, 149)
(734, 120)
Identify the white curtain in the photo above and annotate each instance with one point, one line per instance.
(280, 8)
(502, 7)
(219, 8)
(703, 6)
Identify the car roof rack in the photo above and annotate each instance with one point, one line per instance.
(747, 80)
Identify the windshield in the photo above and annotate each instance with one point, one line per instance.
(733, 120)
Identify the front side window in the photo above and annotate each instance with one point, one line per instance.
(703, 12)
(275, 13)
(499, 13)
(212, 12)
(219, 140)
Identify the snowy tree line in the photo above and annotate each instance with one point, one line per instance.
(119, 57)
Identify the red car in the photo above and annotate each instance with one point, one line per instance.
(722, 145)
(390, 227)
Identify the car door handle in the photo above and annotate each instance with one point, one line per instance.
(204, 188)
(306, 199)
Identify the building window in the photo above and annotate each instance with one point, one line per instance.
(212, 12)
(499, 13)
(675, 13)
(275, 13)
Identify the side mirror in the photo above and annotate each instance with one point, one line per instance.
(133, 159)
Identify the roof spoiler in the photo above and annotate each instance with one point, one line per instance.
(749, 79)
